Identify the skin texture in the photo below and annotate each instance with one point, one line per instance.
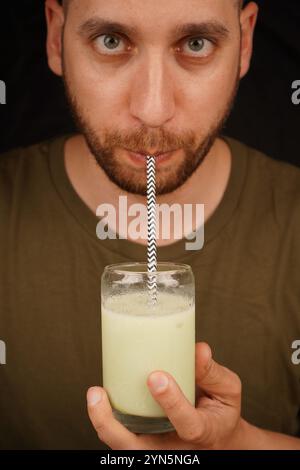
(157, 94)
(131, 179)
(216, 72)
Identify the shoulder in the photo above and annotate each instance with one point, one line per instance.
(14, 159)
(266, 166)
(24, 175)
(14, 165)
(274, 184)
(23, 165)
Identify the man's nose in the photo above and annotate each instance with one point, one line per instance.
(152, 98)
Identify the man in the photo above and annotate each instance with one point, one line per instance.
(158, 79)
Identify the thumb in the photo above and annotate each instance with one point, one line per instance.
(215, 380)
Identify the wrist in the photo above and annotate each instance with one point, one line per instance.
(243, 436)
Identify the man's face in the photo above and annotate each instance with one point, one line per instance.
(163, 81)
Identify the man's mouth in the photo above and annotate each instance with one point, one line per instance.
(139, 158)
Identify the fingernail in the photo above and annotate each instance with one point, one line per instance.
(94, 396)
(158, 382)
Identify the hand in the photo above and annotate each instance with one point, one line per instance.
(214, 423)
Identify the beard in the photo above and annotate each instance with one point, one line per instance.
(134, 180)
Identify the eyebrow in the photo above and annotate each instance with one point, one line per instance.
(96, 26)
(207, 28)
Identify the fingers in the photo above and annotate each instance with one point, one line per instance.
(193, 425)
(185, 418)
(214, 379)
(109, 430)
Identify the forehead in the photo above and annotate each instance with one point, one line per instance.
(154, 16)
(155, 21)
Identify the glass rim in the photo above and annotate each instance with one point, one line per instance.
(117, 268)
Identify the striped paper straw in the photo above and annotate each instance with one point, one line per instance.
(151, 214)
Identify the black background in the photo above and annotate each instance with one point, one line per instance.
(264, 115)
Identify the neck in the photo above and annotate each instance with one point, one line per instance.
(206, 186)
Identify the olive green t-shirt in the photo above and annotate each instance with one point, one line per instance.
(51, 261)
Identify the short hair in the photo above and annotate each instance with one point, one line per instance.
(64, 3)
(239, 3)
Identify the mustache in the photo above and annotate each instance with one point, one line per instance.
(143, 140)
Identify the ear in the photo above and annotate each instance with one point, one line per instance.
(55, 20)
(248, 20)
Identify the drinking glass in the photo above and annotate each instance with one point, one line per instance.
(139, 337)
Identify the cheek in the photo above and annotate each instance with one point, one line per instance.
(97, 91)
(207, 94)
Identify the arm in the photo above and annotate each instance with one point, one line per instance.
(252, 438)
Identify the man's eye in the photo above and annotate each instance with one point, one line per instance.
(109, 44)
(198, 47)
